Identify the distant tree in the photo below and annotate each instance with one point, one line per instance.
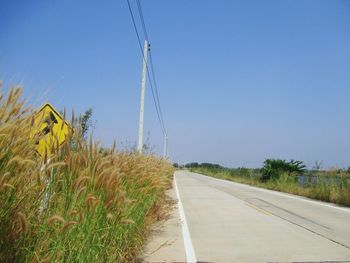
(86, 122)
(273, 168)
(191, 165)
(210, 165)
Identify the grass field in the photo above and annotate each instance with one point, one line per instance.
(324, 190)
(87, 204)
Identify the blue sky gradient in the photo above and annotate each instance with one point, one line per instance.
(239, 81)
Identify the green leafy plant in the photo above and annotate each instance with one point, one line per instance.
(273, 168)
(86, 122)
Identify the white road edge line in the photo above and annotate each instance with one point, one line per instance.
(190, 254)
(291, 196)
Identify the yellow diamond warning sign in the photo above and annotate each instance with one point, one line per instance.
(51, 130)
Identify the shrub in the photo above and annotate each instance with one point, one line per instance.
(273, 168)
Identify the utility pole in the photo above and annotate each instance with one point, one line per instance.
(165, 145)
(142, 103)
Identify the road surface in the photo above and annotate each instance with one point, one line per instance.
(221, 221)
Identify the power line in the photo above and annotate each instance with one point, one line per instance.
(154, 93)
(135, 27)
(142, 19)
(151, 60)
(155, 85)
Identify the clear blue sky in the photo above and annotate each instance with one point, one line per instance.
(239, 81)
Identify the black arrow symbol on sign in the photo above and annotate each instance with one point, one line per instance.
(50, 120)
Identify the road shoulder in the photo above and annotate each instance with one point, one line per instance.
(165, 243)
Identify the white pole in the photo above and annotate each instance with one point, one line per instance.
(142, 103)
(45, 200)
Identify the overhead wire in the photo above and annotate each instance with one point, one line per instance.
(154, 90)
(150, 56)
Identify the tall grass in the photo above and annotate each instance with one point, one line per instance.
(85, 205)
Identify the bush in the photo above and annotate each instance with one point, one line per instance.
(273, 168)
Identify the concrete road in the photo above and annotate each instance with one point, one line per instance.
(230, 222)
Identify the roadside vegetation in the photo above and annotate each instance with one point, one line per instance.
(331, 185)
(87, 204)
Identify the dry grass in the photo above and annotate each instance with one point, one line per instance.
(99, 204)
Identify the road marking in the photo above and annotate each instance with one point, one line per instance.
(259, 209)
(190, 254)
(280, 194)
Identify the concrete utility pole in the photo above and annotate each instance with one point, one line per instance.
(142, 103)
